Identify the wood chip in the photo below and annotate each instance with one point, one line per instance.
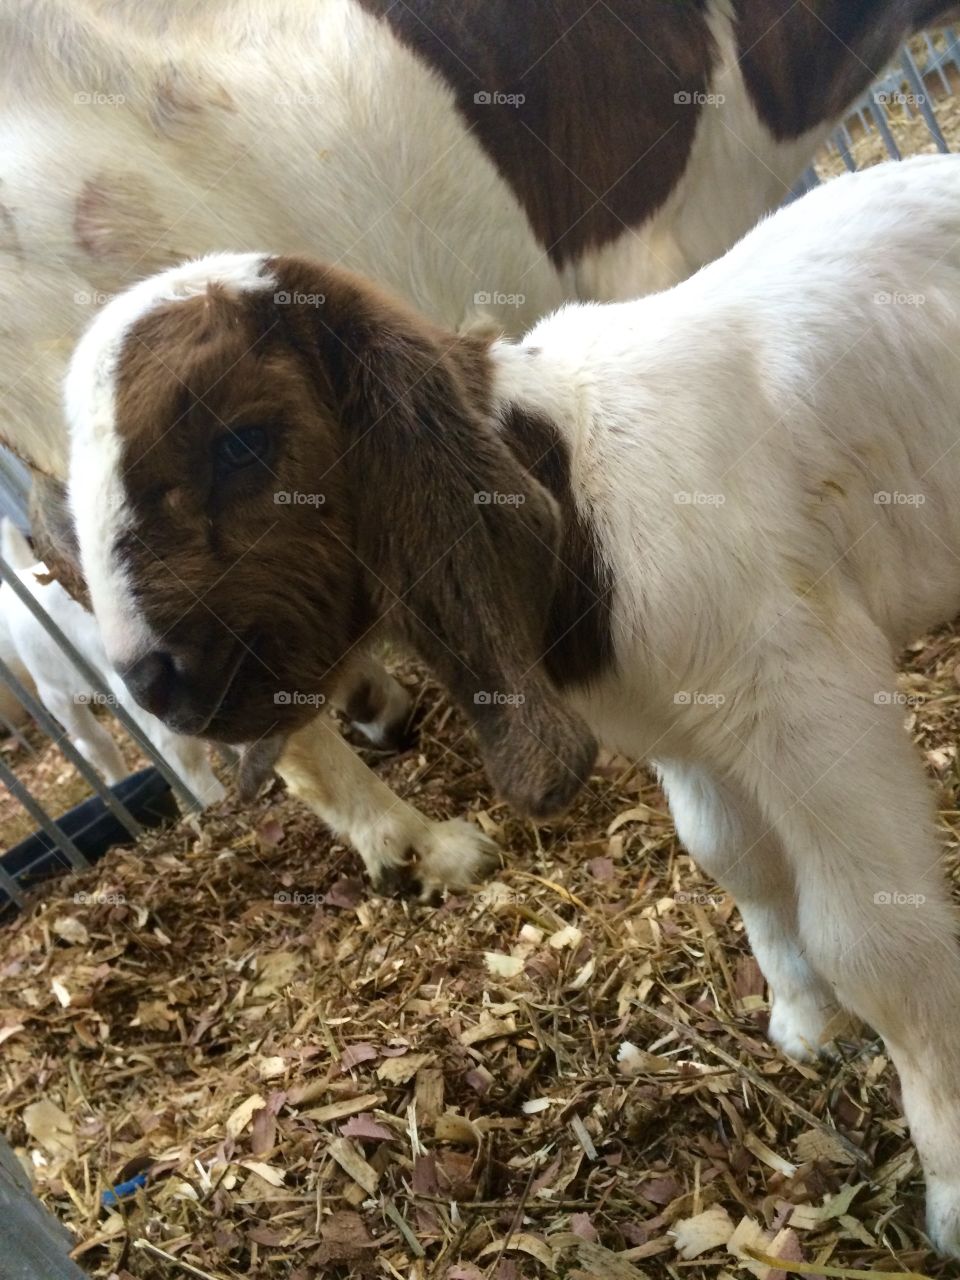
(488, 1029)
(522, 1242)
(604, 1264)
(501, 965)
(346, 1107)
(583, 1137)
(400, 1070)
(768, 1156)
(352, 1162)
(51, 1127)
(241, 1116)
(265, 1171)
(703, 1232)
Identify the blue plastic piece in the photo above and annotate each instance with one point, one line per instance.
(122, 1190)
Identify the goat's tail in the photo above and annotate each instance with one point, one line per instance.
(14, 547)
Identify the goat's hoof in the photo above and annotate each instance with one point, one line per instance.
(398, 881)
(382, 714)
(444, 855)
(801, 1027)
(397, 737)
(943, 1214)
(457, 855)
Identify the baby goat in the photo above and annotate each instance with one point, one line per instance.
(697, 526)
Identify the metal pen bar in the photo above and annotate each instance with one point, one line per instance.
(843, 142)
(15, 483)
(889, 141)
(14, 732)
(935, 62)
(96, 682)
(35, 1243)
(42, 818)
(916, 82)
(10, 887)
(34, 867)
(82, 766)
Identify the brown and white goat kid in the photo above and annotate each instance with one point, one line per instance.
(697, 526)
(484, 160)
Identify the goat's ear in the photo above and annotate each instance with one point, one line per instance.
(54, 537)
(459, 540)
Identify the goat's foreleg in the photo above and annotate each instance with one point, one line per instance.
(398, 844)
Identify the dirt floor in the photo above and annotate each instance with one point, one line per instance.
(562, 1073)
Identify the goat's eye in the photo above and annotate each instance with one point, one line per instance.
(241, 448)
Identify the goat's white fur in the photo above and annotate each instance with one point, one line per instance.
(63, 691)
(733, 441)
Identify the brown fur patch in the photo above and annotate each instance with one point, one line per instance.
(600, 139)
(385, 417)
(467, 584)
(114, 218)
(237, 568)
(579, 639)
(179, 101)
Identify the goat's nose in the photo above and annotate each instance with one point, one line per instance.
(151, 679)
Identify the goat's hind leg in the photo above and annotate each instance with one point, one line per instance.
(86, 733)
(375, 702)
(724, 834)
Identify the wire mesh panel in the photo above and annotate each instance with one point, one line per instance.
(925, 74)
(109, 814)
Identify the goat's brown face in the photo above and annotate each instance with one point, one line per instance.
(222, 570)
(270, 459)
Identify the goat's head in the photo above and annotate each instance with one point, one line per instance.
(270, 460)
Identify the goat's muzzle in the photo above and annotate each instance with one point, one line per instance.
(183, 688)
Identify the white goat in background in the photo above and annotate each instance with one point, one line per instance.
(62, 689)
